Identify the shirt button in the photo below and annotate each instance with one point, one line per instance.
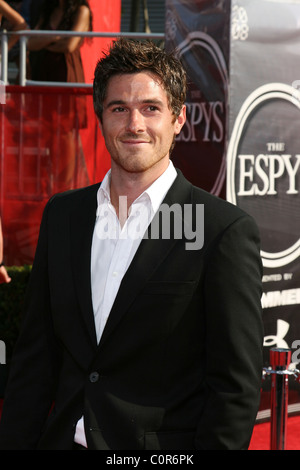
(94, 377)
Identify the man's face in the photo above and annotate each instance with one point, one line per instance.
(137, 124)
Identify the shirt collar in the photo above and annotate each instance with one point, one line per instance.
(161, 186)
(155, 193)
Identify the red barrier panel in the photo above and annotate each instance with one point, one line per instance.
(50, 142)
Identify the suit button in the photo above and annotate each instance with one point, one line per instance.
(94, 377)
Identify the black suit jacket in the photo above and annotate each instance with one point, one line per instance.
(180, 360)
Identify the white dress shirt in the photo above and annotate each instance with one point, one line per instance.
(113, 248)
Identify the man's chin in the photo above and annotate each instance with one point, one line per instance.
(141, 164)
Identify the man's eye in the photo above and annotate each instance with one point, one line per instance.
(153, 108)
(118, 109)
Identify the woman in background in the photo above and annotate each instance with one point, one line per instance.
(58, 59)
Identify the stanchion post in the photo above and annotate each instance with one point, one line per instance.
(280, 359)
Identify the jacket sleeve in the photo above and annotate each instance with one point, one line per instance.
(234, 338)
(29, 392)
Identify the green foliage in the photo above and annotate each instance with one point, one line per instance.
(11, 303)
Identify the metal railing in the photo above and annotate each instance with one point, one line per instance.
(280, 371)
(25, 34)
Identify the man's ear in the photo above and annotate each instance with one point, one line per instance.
(180, 121)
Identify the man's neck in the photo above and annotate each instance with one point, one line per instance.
(126, 187)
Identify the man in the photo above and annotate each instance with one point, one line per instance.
(139, 336)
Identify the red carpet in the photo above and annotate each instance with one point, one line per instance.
(261, 434)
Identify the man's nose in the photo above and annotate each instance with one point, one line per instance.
(135, 122)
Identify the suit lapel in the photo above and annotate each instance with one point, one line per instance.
(82, 227)
(150, 254)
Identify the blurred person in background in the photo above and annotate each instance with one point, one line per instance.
(58, 59)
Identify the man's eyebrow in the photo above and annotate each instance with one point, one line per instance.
(153, 101)
(114, 102)
(145, 101)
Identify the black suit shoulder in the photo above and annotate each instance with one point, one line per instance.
(73, 199)
(219, 207)
(218, 211)
(74, 195)
(220, 215)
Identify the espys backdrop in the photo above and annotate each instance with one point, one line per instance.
(242, 139)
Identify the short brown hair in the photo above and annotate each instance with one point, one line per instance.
(128, 56)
